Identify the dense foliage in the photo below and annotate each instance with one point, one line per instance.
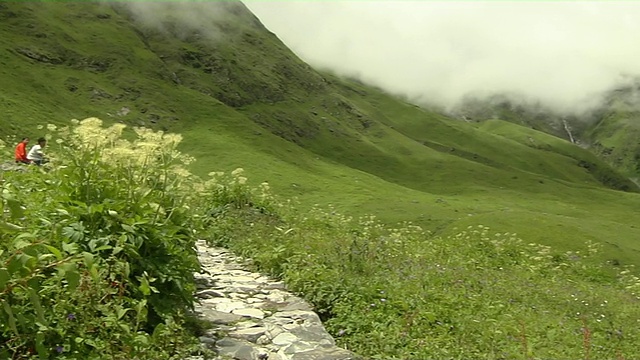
(97, 252)
(401, 293)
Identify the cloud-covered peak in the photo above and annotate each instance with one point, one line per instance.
(565, 54)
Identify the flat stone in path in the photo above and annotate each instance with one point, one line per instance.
(261, 320)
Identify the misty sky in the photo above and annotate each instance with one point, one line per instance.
(562, 53)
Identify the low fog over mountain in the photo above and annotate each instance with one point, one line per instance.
(563, 54)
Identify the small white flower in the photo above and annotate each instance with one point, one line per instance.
(237, 171)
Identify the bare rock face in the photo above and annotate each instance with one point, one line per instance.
(254, 317)
(9, 166)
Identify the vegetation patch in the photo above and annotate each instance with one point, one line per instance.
(97, 255)
(402, 293)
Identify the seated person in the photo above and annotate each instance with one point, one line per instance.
(36, 155)
(21, 151)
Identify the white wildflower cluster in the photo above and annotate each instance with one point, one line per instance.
(89, 134)
(405, 234)
(237, 178)
(149, 160)
(150, 148)
(539, 253)
(502, 241)
(369, 225)
(330, 216)
(630, 281)
(594, 309)
(265, 192)
(593, 248)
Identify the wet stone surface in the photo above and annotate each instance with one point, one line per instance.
(254, 317)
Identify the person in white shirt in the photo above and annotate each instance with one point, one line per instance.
(36, 155)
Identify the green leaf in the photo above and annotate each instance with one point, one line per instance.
(128, 228)
(142, 339)
(20, 244)
(94, 273)
(140, 306)
(35, 300)
(12, 320)
(15, 265)
(145, 288)
(4, 278)
(25, 235)
(88, 259)
(103, 247)
(121, 312)
(75, 232)
(126, 328)
(15, 208)
(55, 252)
(43, 353)
(62, 212)
(34, 283)
(44, 257)
(70, 248)
(8, 227)
(72, 276)
(96, 208)
(92, 244)
(27, 261)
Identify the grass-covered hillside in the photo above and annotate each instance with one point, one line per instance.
(610, 130)
(614, 137)
(242, 99)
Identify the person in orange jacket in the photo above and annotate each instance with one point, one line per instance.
(21, 151)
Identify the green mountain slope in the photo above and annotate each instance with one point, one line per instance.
(240, 98)
(610, 131)
(614, 136)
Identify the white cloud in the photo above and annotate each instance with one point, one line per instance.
(562, 53)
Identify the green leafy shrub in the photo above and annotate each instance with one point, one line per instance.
(97, 253)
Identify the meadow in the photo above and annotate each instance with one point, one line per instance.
(104, 234)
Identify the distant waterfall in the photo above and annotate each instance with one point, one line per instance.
(568, 130)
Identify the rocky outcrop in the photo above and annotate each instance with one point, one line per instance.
(12, 166)
(254, 317)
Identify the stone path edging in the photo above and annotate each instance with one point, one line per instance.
(254, 317)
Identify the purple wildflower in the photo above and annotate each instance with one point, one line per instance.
(71, 317)
(59, 349)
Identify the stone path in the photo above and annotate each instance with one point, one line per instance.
(254, 317)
